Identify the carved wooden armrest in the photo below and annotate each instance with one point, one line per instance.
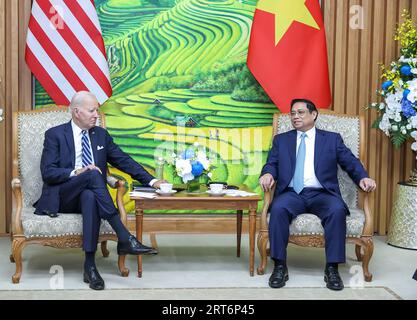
(268, 196)
(368, 228)
(112, 181)
(17, 228)
(120, 185)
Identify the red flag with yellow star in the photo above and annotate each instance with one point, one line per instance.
(287, 52)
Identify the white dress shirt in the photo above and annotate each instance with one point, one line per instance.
(77, 134)
(310, 179)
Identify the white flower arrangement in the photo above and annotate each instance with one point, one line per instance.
(192, 163)
(398, 110)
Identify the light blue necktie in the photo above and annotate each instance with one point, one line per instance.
(299, 165)
(87, 158)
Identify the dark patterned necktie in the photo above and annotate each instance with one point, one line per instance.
(86, 150)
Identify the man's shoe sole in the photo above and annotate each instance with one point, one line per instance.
(123, 253)
(282, 284)
(332, 288)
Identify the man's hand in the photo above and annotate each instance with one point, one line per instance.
(158, 183)
(367, 184)
(84, 169)
(266, 182)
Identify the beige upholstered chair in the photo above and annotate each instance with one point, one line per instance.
(306, 230)
(64, 231)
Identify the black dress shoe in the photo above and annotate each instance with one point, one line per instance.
(333, 279)
(133, 246)
(279, 276)
(92, 277)
(46, 213)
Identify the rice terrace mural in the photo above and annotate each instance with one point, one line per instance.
(178, 71)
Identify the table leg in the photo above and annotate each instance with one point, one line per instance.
(239, 230)
(139, 224)
(252, 231)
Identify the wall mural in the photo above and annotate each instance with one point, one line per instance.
(179, 76)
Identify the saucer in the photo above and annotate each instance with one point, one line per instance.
(158, 191)
(219, 194)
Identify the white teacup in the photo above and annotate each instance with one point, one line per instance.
(216, 188)
(166, 187)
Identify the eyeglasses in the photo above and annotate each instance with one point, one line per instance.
(300, 113)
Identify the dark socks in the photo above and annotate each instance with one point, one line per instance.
(89, 260)
(122, 233)
(279, 262)
(335, 265)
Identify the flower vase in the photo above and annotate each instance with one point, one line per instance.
(412, 180)
(193, 186)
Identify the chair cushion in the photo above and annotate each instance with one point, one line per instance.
(308, 224)
(66, 224)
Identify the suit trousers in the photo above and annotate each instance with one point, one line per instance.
(330, 209)
(87, 194)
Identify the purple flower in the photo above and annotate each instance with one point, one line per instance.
(196, 168)
(408, 108)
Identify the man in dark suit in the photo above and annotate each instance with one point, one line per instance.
(74, 168)
(303, 164)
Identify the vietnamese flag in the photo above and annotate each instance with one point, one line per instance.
(287, 52)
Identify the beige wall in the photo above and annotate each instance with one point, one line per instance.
(353, 57)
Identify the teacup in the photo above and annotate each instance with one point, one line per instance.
(166, 187)
(216, 188)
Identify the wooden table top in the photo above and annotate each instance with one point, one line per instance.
(203, 195)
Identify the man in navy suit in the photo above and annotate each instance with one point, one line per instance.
(303, 164)
(74, 169)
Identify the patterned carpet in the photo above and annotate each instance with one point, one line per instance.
(368, 293)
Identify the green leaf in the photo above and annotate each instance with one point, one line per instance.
(376, 123)
(398, 139)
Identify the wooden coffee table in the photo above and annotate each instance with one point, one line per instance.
(202, 201)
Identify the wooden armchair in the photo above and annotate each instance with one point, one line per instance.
(306, 230)
(64, 231)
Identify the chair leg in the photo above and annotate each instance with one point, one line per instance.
(11, 258)
(122, 268)
(17, 248)
(368, 249)
(104, 250)
(154, 244)
(262, 242)
(359, 255)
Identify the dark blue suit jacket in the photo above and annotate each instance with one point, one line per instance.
(329, 151)
(58, 160)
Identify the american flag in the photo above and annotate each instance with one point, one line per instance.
(65, 49)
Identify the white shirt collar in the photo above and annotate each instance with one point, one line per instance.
(309, 133)
(76, 129)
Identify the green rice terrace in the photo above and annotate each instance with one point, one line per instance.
(179, 76)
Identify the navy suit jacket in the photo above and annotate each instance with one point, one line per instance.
(329, 151)
(58, 160)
